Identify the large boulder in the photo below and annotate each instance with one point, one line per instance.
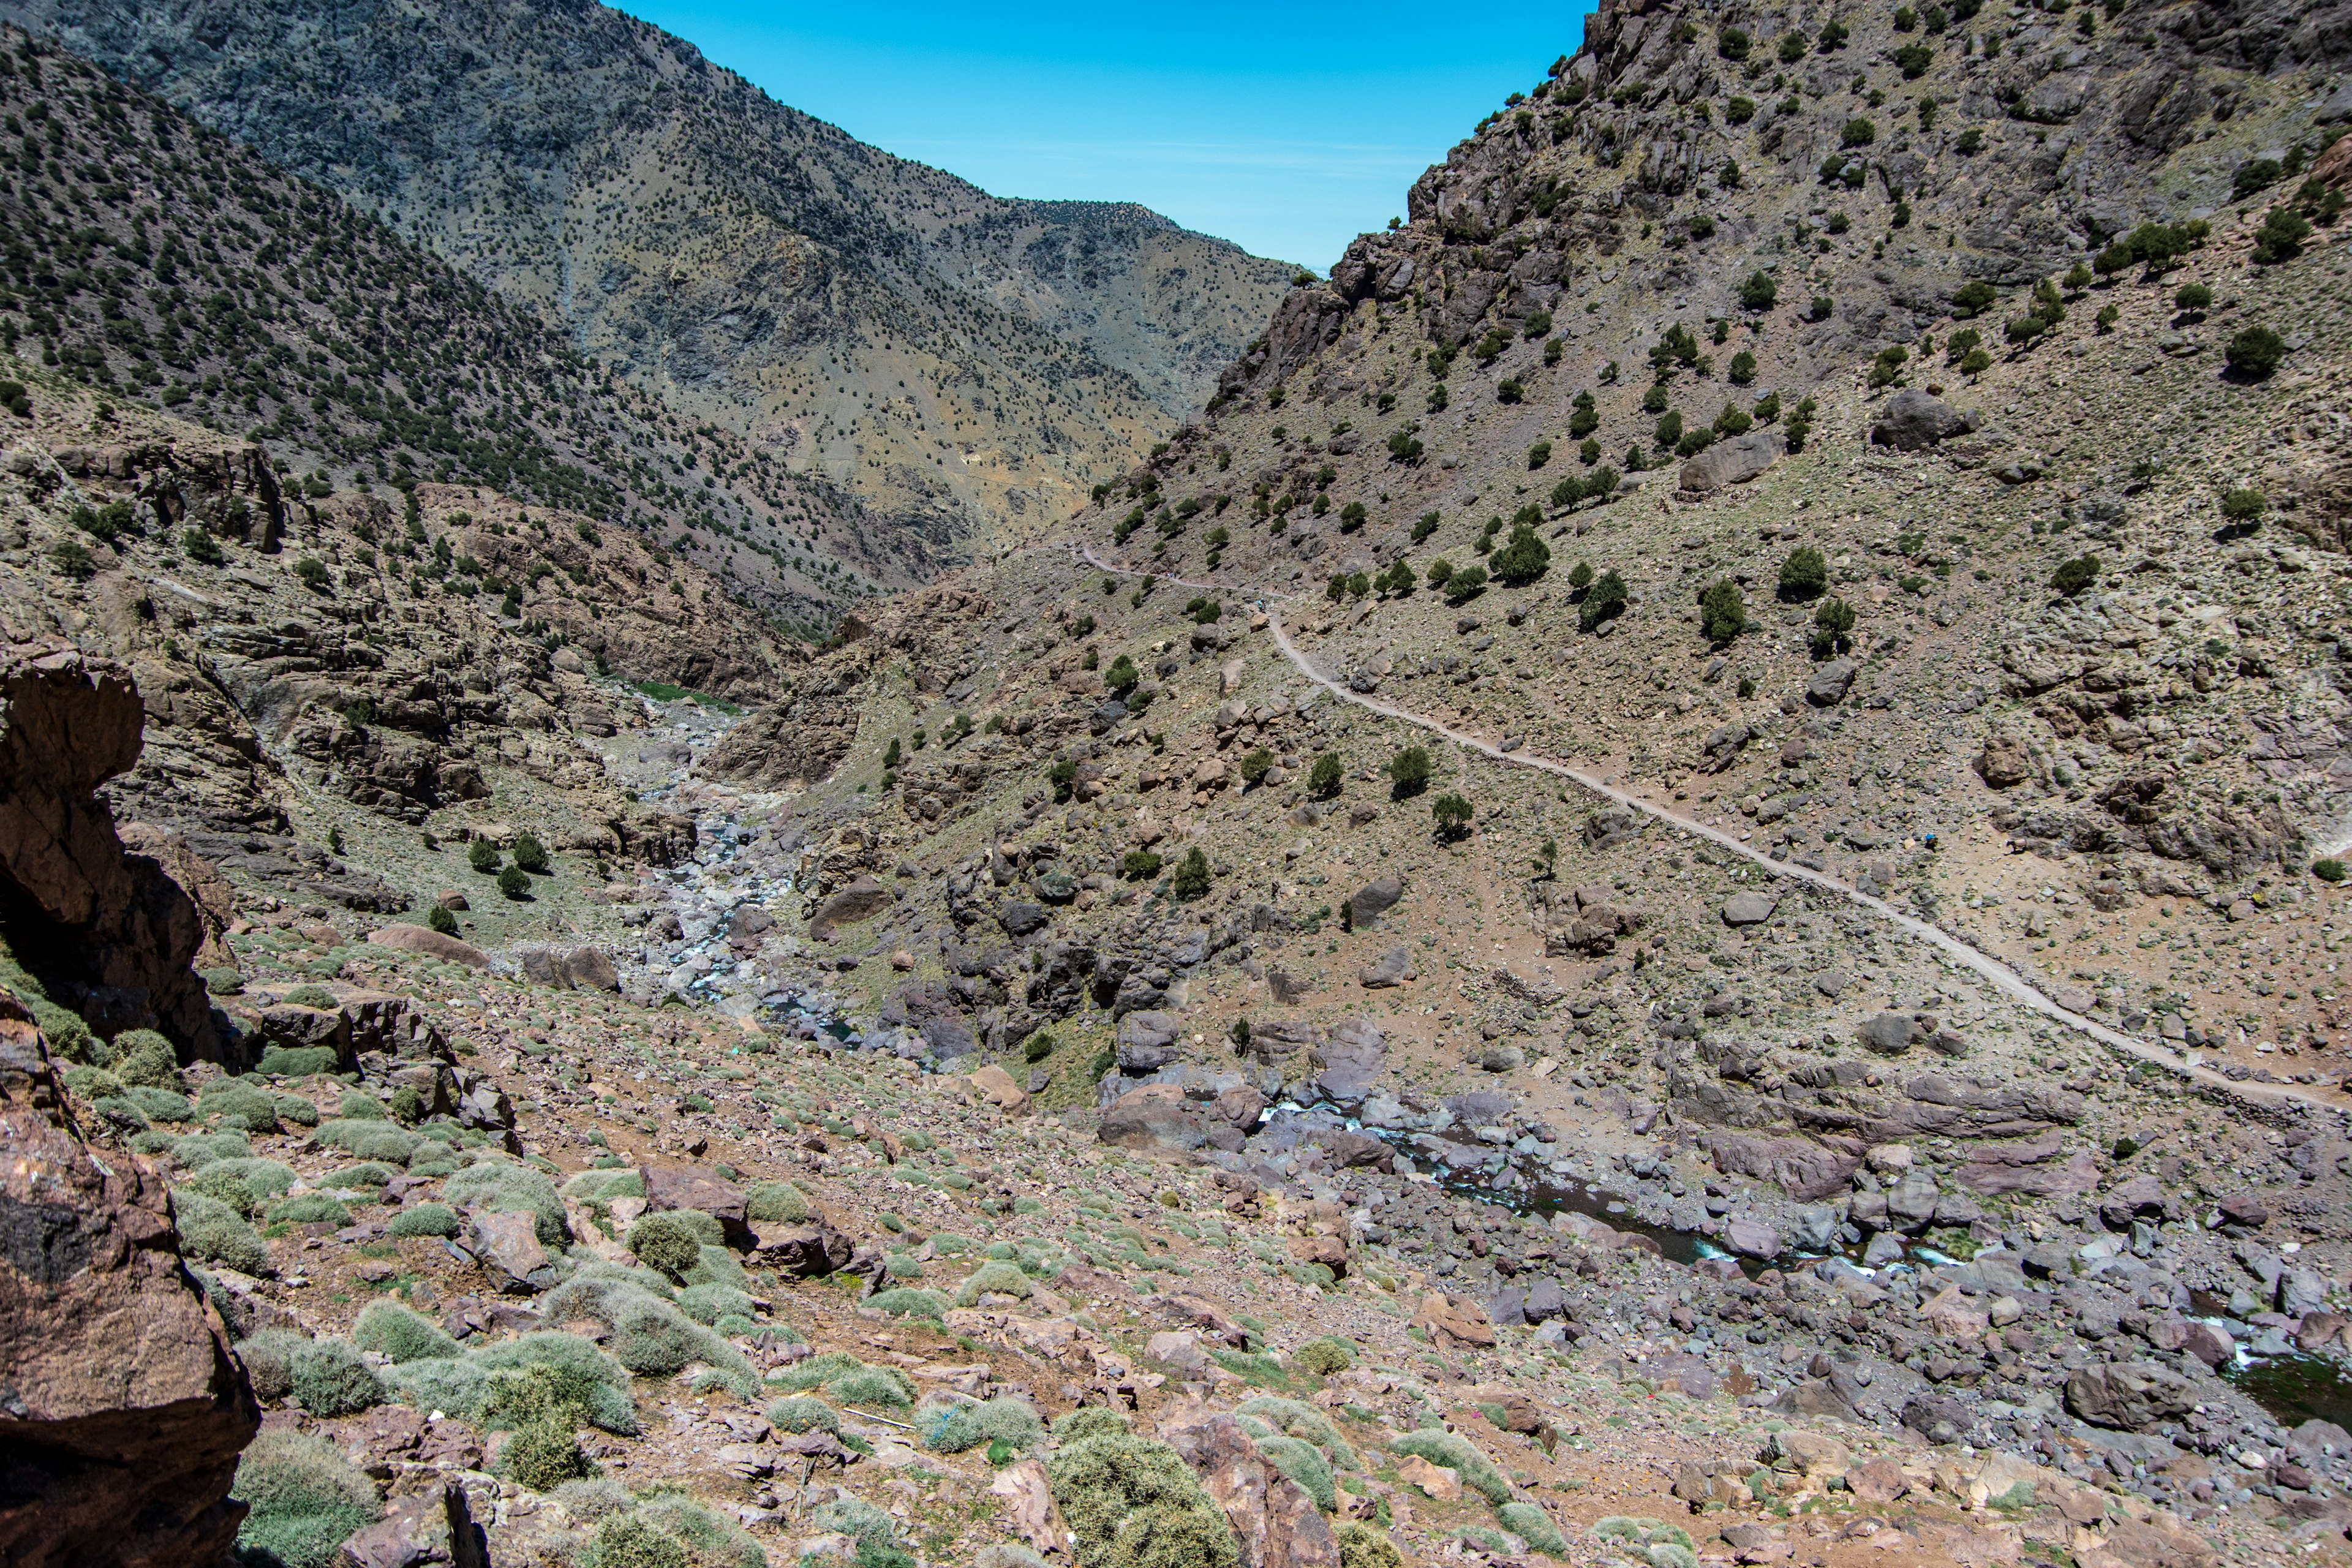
(1276, 1523)
(125, 1408)
(685, 1187)
(2130, 1396)
(1733, 462)
(1369, 903)
(1350, 1058)
(106, 933)
(1153, 1119)
(429, 943)
(862, 900)
(1912, 421)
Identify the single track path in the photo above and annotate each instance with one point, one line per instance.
(1995, 972)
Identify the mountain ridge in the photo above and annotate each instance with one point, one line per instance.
(654, 217)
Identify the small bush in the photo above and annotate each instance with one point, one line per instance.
(1128, 1500)
(482, 856)
(368, 1173)
(1140, 865)
(2328, 870)
(587, 1377)
(269, 1358)
(1303, 1465)
(1191, 876)
(1409, 770)
(329, 1379)
(424, 1219)
(306, 1499)
(672, 1241)
(1013, 1422)
(627, 1541)
(366, 1139)
(1533, 1526)
(212, 1231)
(504, 1187)
(1326, 1357)
(145, 1057)
(801, 1414)
(1804, 574)
(2074, 575)
(392, 1329)
(2255, 353)
(2242, 506)
(709, 1303)
(531, 855)
(650, 1336)
(1323, 778)
(300, 1061)
(237, 1105)
(514, 882)
(777, 1202)
(1365, 1545)
(1723, 613)
(906, 1302)
(442, 921)
(1457, 1454)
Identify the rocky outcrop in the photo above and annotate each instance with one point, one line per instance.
(108, 934)
(1733, 462)
(121, 1409)
(1913, 421)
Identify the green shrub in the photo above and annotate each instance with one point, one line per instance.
(801, 1414)
(441, 919)
(905, 1302)
(1533, 1526)
(269, 1358)
(392, 1329)
(1295, 1418)
(650, 1336)
(1832, 626)
(366, 1174)
(263, 1178)
(2254, 353)
(214, 1232)
(1457, 1454)
(1323, 778)
(585, 1378)
(672, 1241)
(777, 1202)
(1723, 613)
(2243, 506)
(310, 1208)
(847, 1379)
(161, 1104)
(367, 1139)
(709, 1303)
(629, 1541)
(357, 1107)
(1365, 1545)
(1002, 1278)
(1190, 879)
(1134, 1503)
(2074, 575)
(1326, 1357)
(300, 1061)
(2328, 870)
(482, 856)
(221, 1183)
(1013, 1422)
(424, 1219)
(1409, 771)
(306, 1499)
(514, 882)
(145, 1057)
(504, 1187)
(1605, 599)
(329, 1379)
(1305, 1465)
(1140, 865)
(1804, 574)
(531, 855)
(237, 1104)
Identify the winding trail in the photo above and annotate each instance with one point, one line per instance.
(1996, 972)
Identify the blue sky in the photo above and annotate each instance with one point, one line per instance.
(1288, 130)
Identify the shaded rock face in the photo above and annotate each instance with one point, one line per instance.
(121, 1409)
(109, 934)
(1912, 421)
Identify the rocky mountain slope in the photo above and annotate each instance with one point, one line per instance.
(953, 360)
(160, 261)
